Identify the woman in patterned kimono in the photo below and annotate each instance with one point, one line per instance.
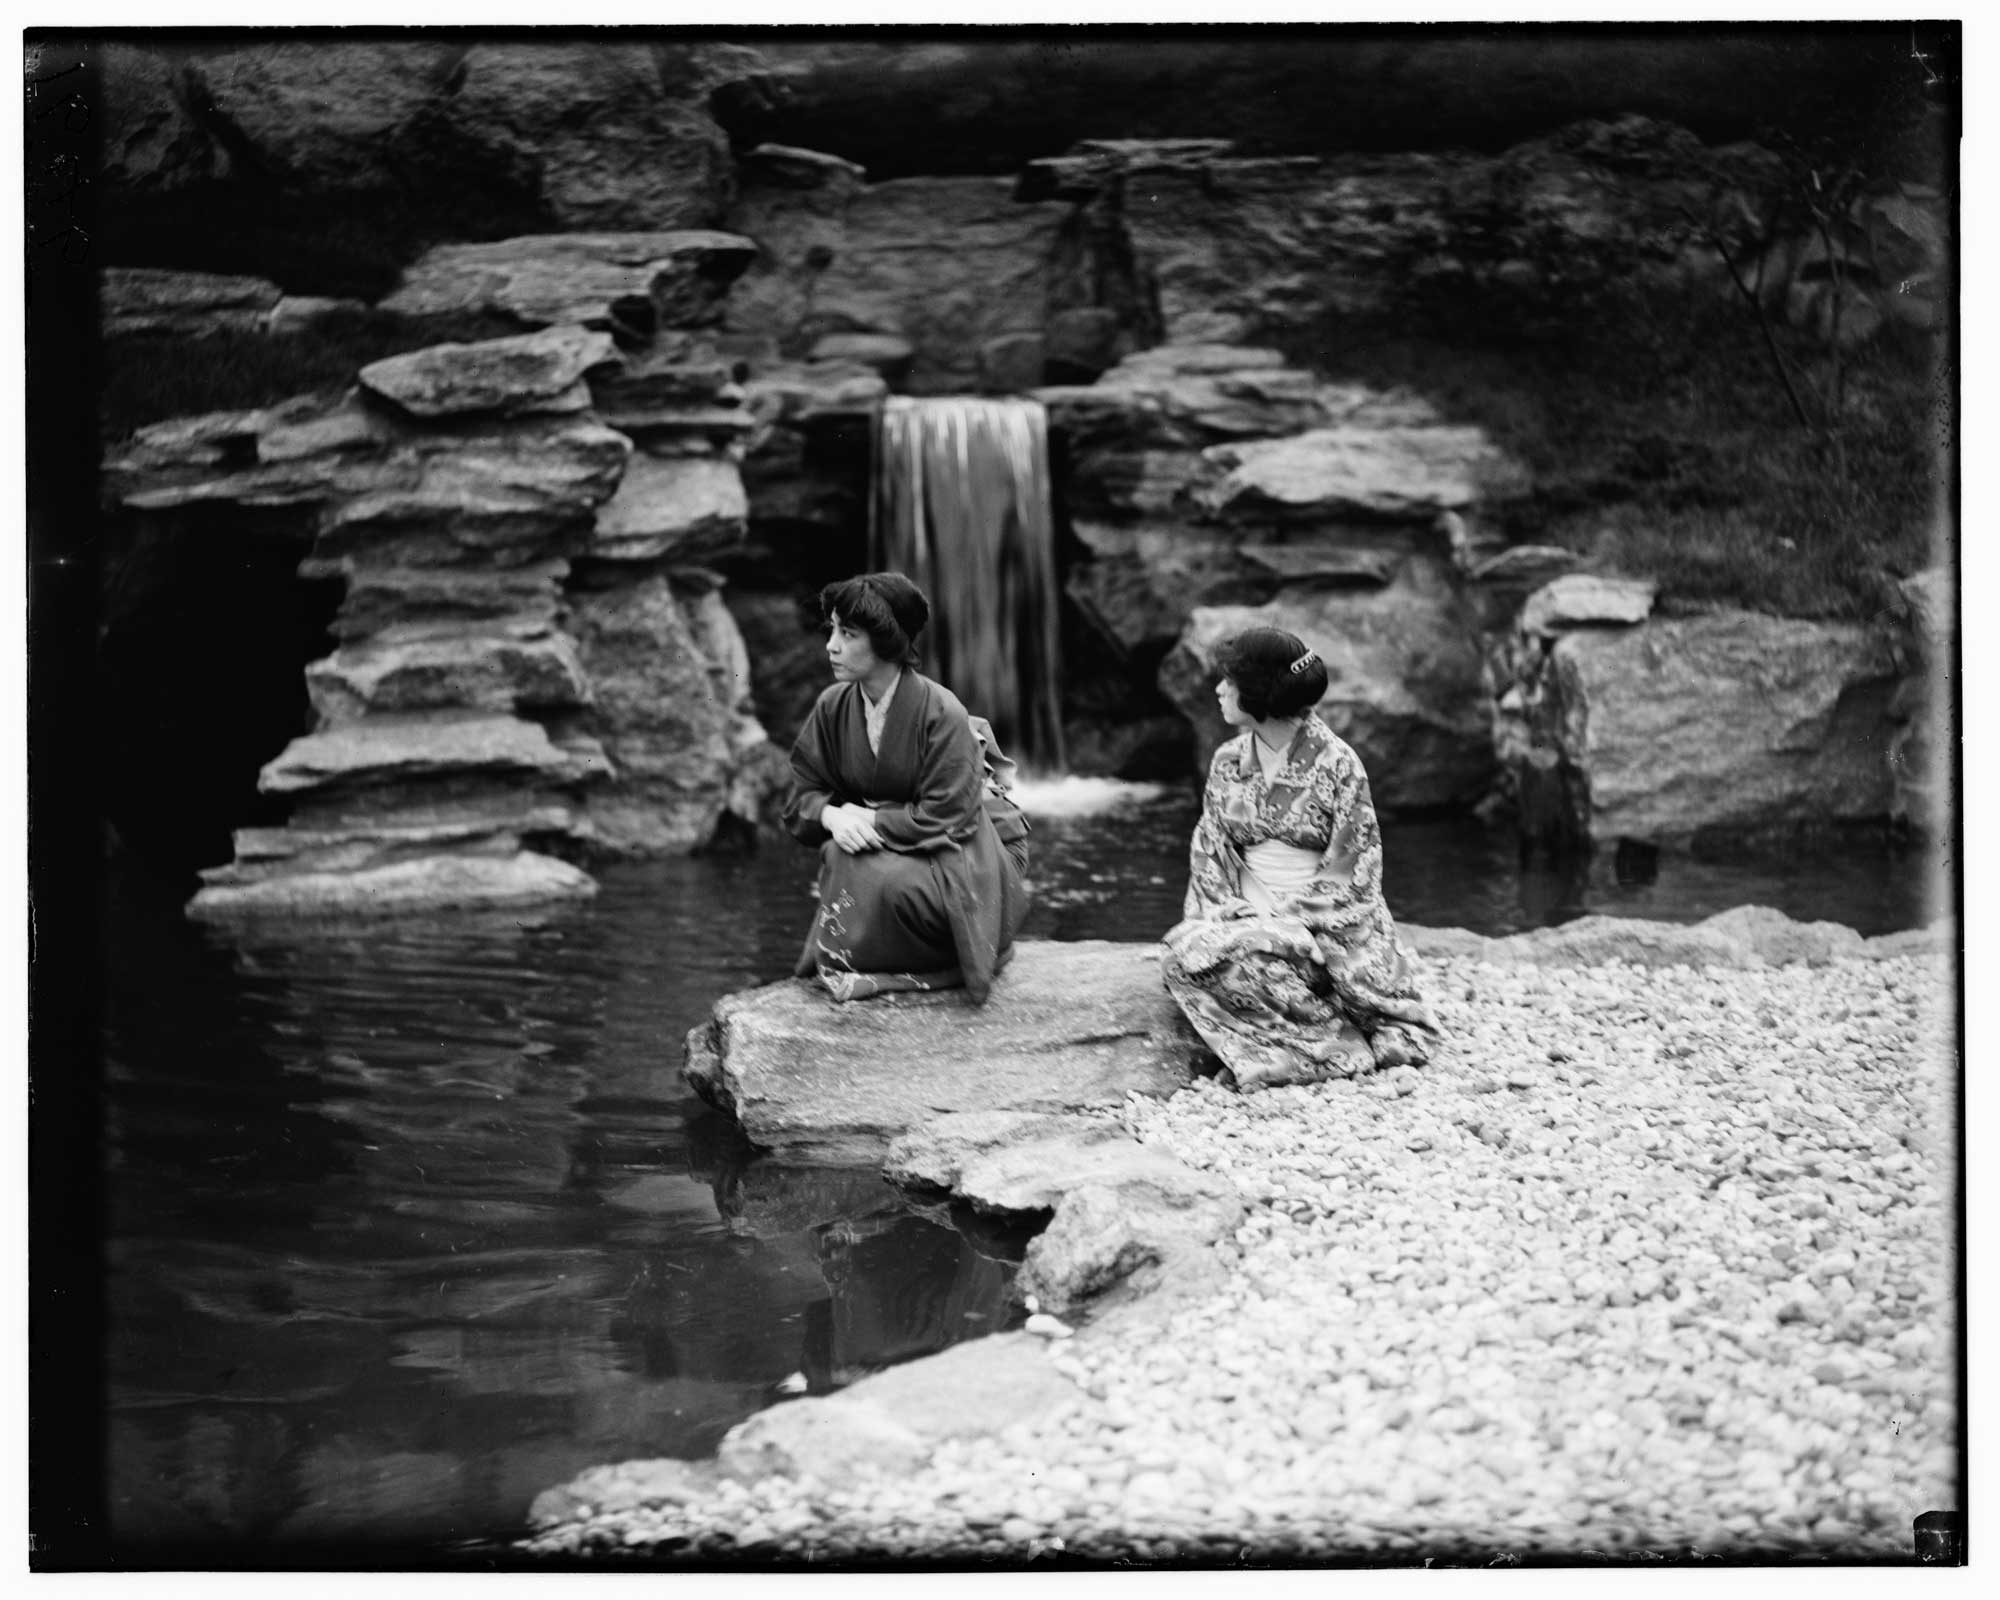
(922, 856)
(1287, 962)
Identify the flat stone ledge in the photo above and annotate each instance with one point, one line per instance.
(1067, 1027)
(401, 889)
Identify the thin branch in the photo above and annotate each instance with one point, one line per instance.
(1763, 319)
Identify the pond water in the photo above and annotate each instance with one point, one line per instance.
(407, 1224)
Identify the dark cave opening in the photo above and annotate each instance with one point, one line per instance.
(205, 630)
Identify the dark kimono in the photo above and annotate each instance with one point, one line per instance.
(938, 906)
(1313, 985)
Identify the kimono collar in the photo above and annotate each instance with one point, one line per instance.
(888, 694)
(1306, 744)
(875, 713)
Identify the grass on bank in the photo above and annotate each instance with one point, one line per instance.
(1662, 445)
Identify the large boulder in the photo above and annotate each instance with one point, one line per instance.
(793, 204)
(670, 689)
(152, 144)
(1405, 685)
(945, 264)
(1732, 722)
(327, 113)
(1067, 1026)
(594, 130)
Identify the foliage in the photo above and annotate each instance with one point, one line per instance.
(1662, 445)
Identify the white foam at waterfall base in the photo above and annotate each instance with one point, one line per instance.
(1069, 796)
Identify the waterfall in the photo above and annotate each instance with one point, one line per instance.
(962, 508)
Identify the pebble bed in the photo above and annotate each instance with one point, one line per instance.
(1647, 1261)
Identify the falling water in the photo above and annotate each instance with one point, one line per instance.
(962, 507)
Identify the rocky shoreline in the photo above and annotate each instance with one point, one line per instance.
(1658, 1256)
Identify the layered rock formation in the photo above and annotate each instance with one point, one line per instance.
(532, 661)
(596, 134)
(1620, 725)
(1215, 488)
(1130, 284)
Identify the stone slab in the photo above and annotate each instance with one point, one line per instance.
(1067, 1026)
(431, 883)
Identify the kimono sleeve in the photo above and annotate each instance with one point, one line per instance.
(950, 787)
(1215, 865)
(813, 785)
(1342, 905)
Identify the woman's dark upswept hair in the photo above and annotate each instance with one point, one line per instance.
(1259, 662)
(886, 606)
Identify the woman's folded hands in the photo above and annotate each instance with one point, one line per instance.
(852, 827)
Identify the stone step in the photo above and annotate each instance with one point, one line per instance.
(423, 885)
(264, 853)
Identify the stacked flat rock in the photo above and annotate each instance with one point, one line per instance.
(449, 493)
(1216, 487)
(1656, 1256)
(668, 664)
(529, 652)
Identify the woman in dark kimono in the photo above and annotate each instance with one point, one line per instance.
(921, 854)
(1287, 961)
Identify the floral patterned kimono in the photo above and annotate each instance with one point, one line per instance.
(1305, 982)
(937, 907)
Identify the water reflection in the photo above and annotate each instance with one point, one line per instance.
(407, 1225)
